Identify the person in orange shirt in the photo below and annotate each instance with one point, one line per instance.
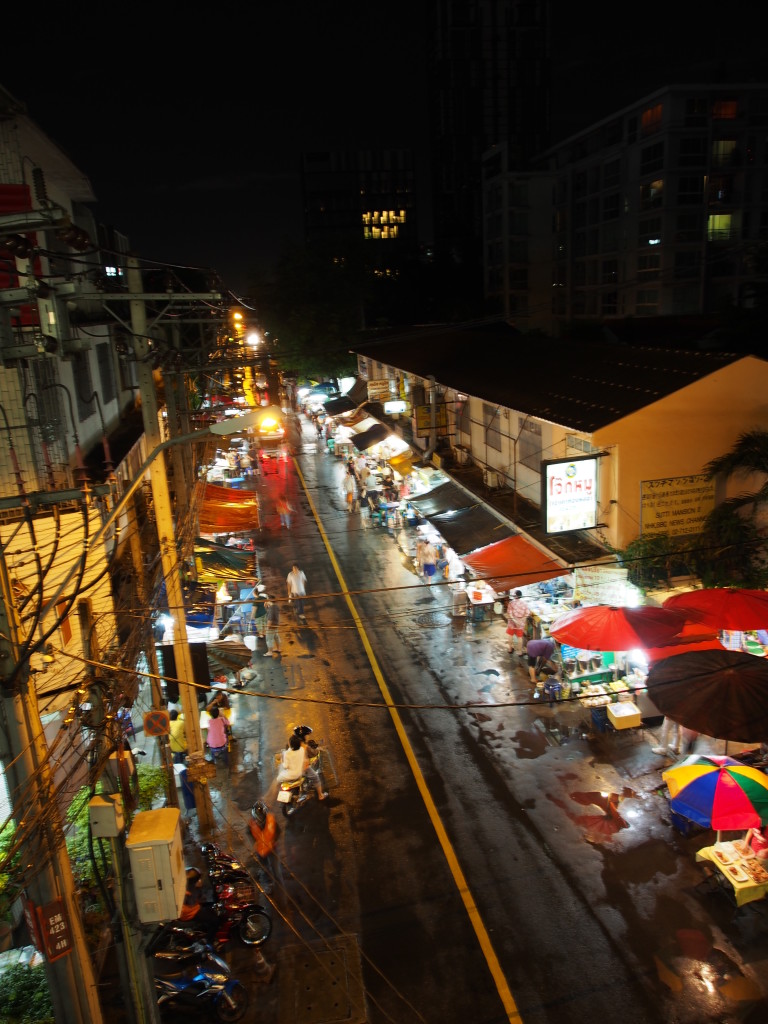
(194, 910)
(263, 827)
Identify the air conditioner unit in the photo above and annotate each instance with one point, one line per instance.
(493, 480)
(461, 456)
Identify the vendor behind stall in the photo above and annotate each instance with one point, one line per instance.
(541, 658)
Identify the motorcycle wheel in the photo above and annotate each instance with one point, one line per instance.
(255, 927)
(289, 809)
(232, 1004)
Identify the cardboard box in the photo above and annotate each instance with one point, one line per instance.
(624, 715)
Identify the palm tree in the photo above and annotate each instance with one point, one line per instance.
(748, 455)
(732, 545)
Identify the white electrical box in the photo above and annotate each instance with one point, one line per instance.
(159, 878)
(106, 816)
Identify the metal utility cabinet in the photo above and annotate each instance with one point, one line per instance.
(156, 856)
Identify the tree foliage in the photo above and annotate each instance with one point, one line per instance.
(313, 306)
(26, 998)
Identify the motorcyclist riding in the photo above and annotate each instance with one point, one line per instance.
(295, 764)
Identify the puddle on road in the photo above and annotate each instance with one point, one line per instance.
(603, 825)
(530, 743)
(433, 619)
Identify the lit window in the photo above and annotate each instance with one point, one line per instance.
(650, 121)
(723, 152)
(718, 226)
(725, 110)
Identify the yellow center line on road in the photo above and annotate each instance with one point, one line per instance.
(507, 999)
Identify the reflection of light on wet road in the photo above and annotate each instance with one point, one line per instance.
(459, 879)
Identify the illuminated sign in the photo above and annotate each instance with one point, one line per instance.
(424, 419)
(569, 494)
(676, 505)
(392, 408)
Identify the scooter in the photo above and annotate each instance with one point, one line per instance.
(294, 793)
(193, 975)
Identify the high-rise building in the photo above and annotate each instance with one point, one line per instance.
(490, 85)
(654, 211)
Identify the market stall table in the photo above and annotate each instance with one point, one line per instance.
(481, 598)
(745, 876)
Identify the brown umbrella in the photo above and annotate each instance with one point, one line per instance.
(229, 655)
(723, 694)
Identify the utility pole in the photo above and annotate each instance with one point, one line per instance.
(71, 977)
(168, 551)
(135, 973)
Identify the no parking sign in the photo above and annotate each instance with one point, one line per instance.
(157, 723)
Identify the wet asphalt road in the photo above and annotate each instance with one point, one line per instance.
(543, 900)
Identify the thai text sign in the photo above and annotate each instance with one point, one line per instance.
(379, 390)
(569, 494)
(424, 419)
(675, 505)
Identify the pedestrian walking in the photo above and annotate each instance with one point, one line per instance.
(284, 510)
(260, 611)
(349, 489)
(296, 582)
(371, 487)
(272, 634)
(263, 828)
(429, 560)
(178, 737)
(517, 615)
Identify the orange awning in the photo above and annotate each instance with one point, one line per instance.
(512, 562)
(227, 510)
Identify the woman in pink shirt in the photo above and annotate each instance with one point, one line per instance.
(218, 736)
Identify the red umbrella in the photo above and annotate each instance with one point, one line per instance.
(723, 608)
(694, 636)
(605, 628)
(682, 646)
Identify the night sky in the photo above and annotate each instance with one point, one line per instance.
(190, 126)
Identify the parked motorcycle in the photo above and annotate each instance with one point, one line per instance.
(193, 975)
(235, 900)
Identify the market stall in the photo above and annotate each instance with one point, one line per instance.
(743, 878)
(594, 642)
(511, 562)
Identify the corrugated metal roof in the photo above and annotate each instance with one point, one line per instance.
(583, 385)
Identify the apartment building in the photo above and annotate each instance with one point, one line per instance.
(657, 210)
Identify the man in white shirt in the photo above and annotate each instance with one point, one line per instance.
(297, 590)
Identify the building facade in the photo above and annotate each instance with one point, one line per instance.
(655, 211)
(646, 420)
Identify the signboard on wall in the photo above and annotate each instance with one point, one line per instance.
(675, 505)
(424, 419)
(569, 494)
(379, 390)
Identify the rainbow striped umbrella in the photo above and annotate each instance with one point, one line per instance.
(718, 792)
